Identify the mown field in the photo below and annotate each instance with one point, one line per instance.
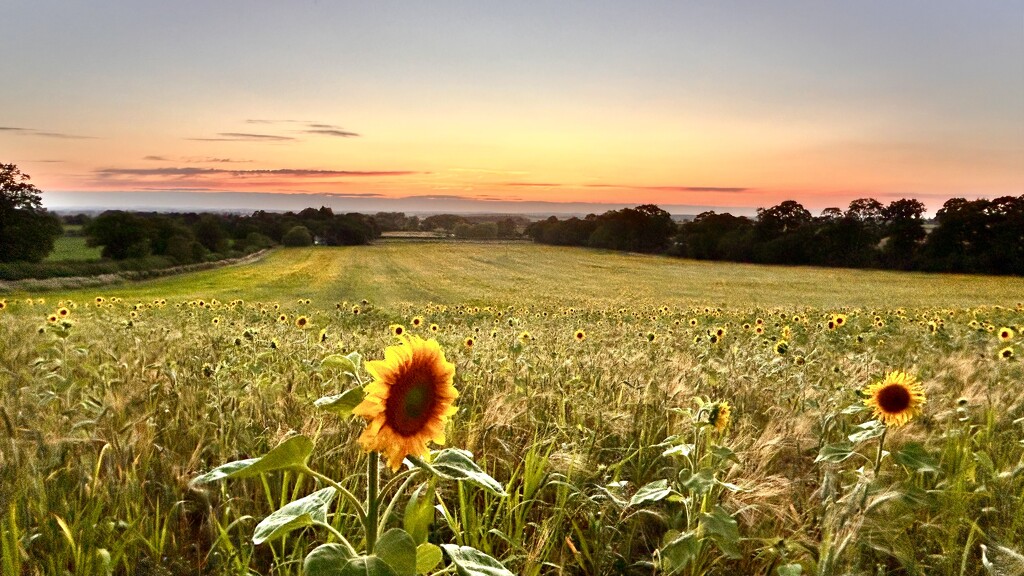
(590, 385)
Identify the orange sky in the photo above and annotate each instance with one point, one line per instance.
(677, 105)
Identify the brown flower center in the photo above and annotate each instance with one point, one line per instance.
(894, 398)
(410, 404)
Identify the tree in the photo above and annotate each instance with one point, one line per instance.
(27, 230)
(122, 235)
(298, 236)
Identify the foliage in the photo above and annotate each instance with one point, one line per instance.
(979, 236)
(27, 230)
(297, 237)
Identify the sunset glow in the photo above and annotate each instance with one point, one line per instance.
(726, 104)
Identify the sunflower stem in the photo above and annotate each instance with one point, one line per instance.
(878, 466)
(372, 503)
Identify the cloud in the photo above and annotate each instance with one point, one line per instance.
(34, 132)
(532, 184)
(156, 158)
(353, 195)
(244, 137)
(332, 132)
(671, 188)
(293, 172)
(210, 159)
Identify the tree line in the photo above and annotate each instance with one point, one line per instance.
(977, 236)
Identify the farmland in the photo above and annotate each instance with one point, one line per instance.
(591, 388)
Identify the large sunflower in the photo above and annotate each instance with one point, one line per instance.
(896, 399)
(409, 400)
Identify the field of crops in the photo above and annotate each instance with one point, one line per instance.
(641, 415)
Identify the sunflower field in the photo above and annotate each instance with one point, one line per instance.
(604, 420)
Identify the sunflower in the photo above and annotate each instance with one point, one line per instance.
(719, 416)
(52, 318)
(215, 321)
(580, 336)
(525, 336)
(282, 318)
(417, 321)
(397, 330)
(469, 342)
(1006, 334)
(322, 337)
(409, 400)
(301, 322)
(3, 304)
(896, 399)
(435, 328)
(1006, 353)
(781, 347)
(63, 312)
(355, 310)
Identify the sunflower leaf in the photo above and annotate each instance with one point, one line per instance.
(428, 556)
(342, 404)
(472, 562)
(292, 453)
(419, 512)
(915, 457)
(294, 515)
(835, 453)
(651, 492)
(456, 464)
(346, 364)
(326, 560)
(868, 430)
(397, 549)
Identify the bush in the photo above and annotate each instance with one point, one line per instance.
(297, 237)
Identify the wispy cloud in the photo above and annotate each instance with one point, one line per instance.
(353, 195)
(244, 137)
(310, 127)
(44, 134)
(532, 184)
(293, 172)
(197, 160)
(670, 188)
(332, 132)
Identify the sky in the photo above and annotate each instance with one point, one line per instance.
(482, 105)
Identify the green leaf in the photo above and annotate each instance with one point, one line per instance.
(472, 562)
(419, 512)
(699, 483)
(292, 453)
(298, 514)
(678, 550)
(723, 530)
(789, 570)
(396, 548)
(868, 430)
(366, 566)
(915, 457)
(835, 452)
(326, 560)
(428, 556)
(651, 492)
(456, 464)
(679, 450)
(342, 404)
(346, 364)
(725, 453)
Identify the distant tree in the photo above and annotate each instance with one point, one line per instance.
(210, 232)
(904, 232)
(831, 214)
(27, 230)
(298, 236)
(121, 234)
(780, 219)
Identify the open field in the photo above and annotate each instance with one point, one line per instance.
(392, 273)
(73, 248)
(591, 387)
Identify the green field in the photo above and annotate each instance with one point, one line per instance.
(73, 248)
(465, 273)
(592, 388)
